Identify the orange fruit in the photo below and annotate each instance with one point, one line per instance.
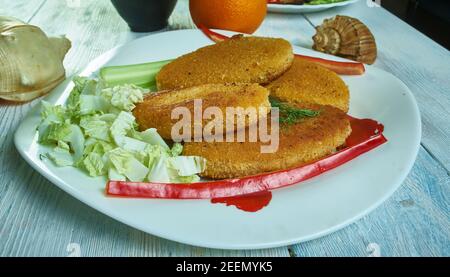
(243, 16)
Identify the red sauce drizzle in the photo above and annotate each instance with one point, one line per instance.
(362, 129)
(249, 203)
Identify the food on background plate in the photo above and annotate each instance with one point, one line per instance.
(346, 37)
(237, 60)
(31, 62)
(297, 2)
(307, 82)
(322, 2)
(301, 141)
(234, 15)
(156, 109)
(305, 2)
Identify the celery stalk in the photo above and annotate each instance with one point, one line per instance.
(142, 75)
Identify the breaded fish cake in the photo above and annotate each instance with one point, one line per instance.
(300, 143)
(156, 109)
(237, 60)
(306, 82)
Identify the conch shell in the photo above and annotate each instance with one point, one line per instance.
(346, 37)
(31, 64)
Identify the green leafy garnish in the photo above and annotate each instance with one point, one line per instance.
(97, 132)
(289, 114)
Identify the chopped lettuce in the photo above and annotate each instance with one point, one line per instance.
(96, 127)
(61, 155)
(123, 123)
(187, 166)
(76, 140)
(177, 149)
(90, 104)
(97, 146)
(124, 97)
(94, 164)
(96, 132)
(151, 136)
(160, 172)
(88, 86)
(113, 175)
(53, 114)
(132, 144)
(80, 82)
(126, 164)
(54, 132)
(151, 154)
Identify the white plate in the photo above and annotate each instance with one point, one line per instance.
(298, 213)
(285, 8)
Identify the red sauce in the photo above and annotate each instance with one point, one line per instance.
(249, 203)
(362, 129)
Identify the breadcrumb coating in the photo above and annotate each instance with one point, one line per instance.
(237, 60)
(306, 82)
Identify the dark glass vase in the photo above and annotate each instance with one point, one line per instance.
(145, 15)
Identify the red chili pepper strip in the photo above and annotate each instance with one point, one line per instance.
(343, 68)
(242, 186)
(214, 36)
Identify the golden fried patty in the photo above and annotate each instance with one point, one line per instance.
(300, 143)
(156, 109)
(237, 60)
(306, 82)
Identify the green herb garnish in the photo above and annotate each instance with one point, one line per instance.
(289, 114)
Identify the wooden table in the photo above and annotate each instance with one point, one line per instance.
(38, 219)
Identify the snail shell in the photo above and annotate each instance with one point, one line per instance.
(346, 37)
(31, 64)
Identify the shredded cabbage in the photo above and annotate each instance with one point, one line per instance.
(96, 132)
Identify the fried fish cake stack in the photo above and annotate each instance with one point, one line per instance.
(300, 143)
(237, 60)
(217, 74)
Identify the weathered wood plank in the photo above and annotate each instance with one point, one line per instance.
(418, 61)
(415, 221)
(21, 9)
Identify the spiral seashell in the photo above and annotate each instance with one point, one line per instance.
(31, 64)
(346, 37)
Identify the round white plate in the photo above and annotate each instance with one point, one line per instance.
(286, 8)
(298, 213)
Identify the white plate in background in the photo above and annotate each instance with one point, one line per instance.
(290, 8)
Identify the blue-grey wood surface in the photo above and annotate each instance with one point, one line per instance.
(38, 219)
